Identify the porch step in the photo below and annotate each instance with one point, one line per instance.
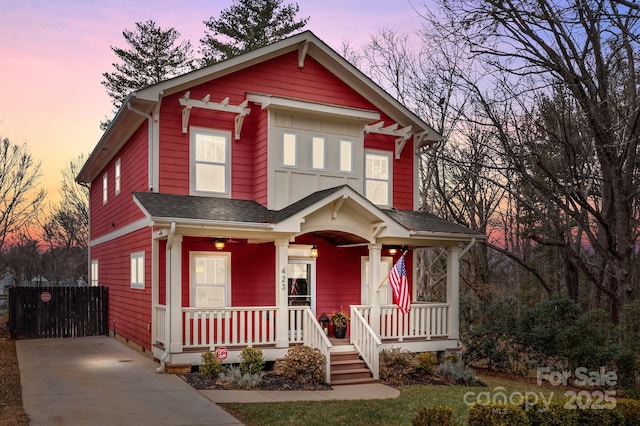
(348, 368)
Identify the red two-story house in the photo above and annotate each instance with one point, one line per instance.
(236, 204)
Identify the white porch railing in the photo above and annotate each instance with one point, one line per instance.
(424, 320)
(159, 312)
(297, 323)
(365, 341)
(315, 337)
(229, 326)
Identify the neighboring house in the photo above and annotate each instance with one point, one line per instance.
(236, 204)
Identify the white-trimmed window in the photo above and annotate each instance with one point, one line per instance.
(94, 273)
(117, 175)
(105, 188)
(210, 161)
(317, 153)
(210, 279)
(289, 149)
(346, 156)
(137, 270)
(377, 177)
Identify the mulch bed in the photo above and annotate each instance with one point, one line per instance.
(270, 381)
(274, 381)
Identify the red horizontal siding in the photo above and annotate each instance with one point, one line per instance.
(129, 309)
(120, 210)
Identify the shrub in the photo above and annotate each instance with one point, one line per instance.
(304, 365)
(251, 360)
(555, 415)
(427, 363)
(457, 373)
(397, 364)
(630, 410)
(234, 376)
(600, 417)
(497, 415)
(434, 416)
(211, 366)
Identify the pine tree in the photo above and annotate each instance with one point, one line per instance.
(154, 55)
(247, 25)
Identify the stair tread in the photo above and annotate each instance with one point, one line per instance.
(351, 370)
(347, 362)
(353, 381)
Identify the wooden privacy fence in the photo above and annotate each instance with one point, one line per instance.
(41, 312)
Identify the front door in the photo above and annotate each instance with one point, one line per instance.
(301, 276)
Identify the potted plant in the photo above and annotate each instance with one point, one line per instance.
(340, 320)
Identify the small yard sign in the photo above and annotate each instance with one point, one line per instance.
(222, 353)
(45, 296)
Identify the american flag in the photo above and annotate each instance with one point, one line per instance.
(400, 285)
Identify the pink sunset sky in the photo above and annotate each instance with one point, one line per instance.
(53, 54)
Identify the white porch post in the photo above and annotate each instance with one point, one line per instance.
(453, 290)
(174, 313)
(282, 293)
(155, 287)
(374, 283)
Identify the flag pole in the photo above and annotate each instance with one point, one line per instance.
(388, 273)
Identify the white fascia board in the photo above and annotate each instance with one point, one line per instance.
(447, 236)
(268, 101)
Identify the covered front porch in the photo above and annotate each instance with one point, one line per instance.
(219, 282)
(427, 327)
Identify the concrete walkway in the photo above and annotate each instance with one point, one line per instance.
(99, 381)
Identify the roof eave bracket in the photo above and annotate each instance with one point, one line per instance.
(403, 134)
(303, 48)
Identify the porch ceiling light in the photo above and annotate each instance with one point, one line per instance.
(314, 251)
(393, 250)
(218, 244)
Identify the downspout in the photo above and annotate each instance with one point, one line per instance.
(167, 302)
(467, 248)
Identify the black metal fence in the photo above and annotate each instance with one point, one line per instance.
(41, 312)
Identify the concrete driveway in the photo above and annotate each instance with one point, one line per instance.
(99, 381)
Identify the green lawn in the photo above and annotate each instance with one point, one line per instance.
(397, 411)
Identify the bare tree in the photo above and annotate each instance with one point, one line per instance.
(21, 195)
(65, 232)
(587, 52)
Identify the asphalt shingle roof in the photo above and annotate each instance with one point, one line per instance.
(232, 210)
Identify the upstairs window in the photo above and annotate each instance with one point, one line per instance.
(210, 161)
(117, 176)
(289, 149)
(346, 162)
(377, 177)
(105, 189)
(317, 153)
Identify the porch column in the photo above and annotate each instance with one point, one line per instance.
(374, 283)
(282, 293)
(453, 290)
(174, 305)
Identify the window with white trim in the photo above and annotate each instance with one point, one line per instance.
(94, 273)
(137, 270)
(346, 162)
(210, 162)
(210, 279)
(117, 175)
(289, 149)
(377, 177)
(317, 153)
(105, 188)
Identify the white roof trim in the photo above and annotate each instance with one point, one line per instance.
(269, 101)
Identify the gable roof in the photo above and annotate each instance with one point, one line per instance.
(141, 103)
(226, 212)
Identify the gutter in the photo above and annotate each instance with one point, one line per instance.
(167, 312)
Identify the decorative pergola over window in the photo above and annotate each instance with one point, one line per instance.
(240, 110)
